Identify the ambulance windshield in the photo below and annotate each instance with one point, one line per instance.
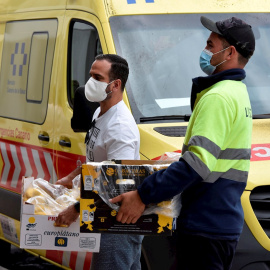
(163, 55)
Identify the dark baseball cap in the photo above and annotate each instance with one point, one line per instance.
(235, 31)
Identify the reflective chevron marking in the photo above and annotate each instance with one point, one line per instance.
(66, 258)
(80, 260)
(72, 259)
(17, 166)
(49, 163)
(6, 162)
(29, 170)
(38, 164)
(19, 161)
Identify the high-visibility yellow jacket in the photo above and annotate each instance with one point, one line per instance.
(213, 169)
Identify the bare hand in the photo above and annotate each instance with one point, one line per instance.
(67, 216)
(131, 208)
(65, 181)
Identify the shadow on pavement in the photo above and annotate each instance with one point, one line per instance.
(18, 259)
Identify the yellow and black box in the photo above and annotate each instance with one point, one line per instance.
(103, 181)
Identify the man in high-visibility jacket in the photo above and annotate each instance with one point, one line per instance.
(213, 169)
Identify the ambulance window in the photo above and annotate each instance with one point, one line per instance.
(164, 57)
(35, 81)
(27, 59)
(84, 45)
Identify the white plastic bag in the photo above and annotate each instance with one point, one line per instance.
(51, 199)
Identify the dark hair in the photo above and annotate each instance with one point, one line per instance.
(119, 67)
(241, 59)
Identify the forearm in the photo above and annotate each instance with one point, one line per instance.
(165, 184)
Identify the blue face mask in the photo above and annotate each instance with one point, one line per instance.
(205, 59)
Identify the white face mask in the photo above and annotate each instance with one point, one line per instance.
(95, 91)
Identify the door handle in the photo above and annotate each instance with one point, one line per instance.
(43, 137)
(65, 143)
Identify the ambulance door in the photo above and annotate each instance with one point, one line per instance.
(85, 41)
(26, 108)
(82, 41)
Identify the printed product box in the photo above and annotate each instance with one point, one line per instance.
(39, 232)
(102, 181)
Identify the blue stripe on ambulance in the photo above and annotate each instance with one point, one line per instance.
(134, 1)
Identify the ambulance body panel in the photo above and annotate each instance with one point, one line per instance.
(46, 51)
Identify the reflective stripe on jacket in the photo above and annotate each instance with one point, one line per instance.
(218, 138)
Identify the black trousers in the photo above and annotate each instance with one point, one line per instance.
(200, 253)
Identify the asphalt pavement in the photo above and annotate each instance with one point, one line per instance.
(19, 259)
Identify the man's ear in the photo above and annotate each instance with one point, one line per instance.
(232, 53)
(118, 84)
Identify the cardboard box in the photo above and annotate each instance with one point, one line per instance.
(39, 232)
(103, 181)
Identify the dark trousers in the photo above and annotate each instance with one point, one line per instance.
(201, 253)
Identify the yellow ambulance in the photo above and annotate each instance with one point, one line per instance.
(46, 50)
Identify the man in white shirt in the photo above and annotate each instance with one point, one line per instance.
(113, 135)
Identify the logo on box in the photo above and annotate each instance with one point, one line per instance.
(110, 171)
(31, 225)
(61, 241)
